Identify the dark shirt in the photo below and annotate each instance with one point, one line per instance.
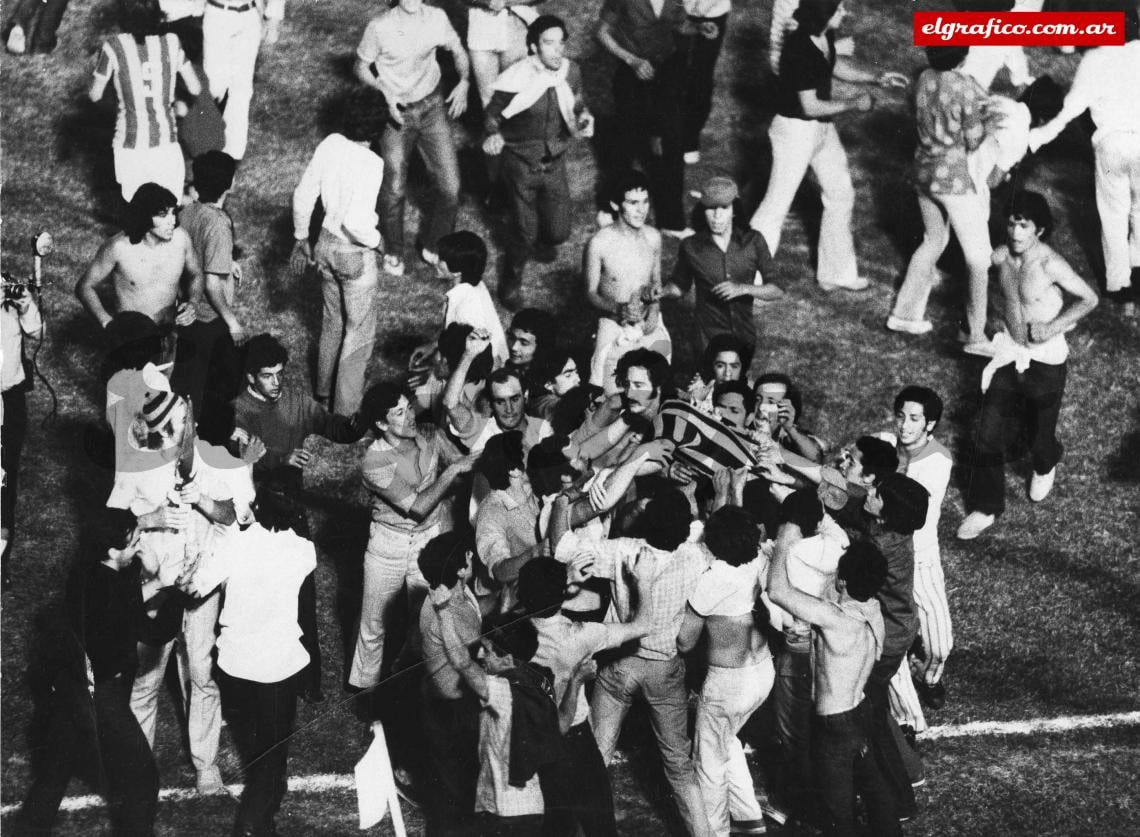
(896, 597)
(804, 67)
(642, 32)
(283, 425)
(701, 261)
(114, 621)
(537, 134)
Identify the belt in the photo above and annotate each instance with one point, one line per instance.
(243, 8)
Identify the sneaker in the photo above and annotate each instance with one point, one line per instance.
(17, 41)
(210, 783)
(975, 523)
(393, 265)
(680, 235)
(859, 284)
(692, 158)
(429, 256)
(909, 326)
(1041, 484)
(932, 695)
(979, 348)
(406, 786)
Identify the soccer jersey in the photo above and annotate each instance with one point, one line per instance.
(144, 76)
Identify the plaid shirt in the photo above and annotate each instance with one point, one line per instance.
(677, 574)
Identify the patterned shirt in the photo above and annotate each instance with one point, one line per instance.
(950, 110)
(144, 76)
(504, 528)
(395, 478)
(676, 579)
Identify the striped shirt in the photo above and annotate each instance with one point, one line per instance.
(144, 76)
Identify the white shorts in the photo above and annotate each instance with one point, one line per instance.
(163, 165)
(498, 31)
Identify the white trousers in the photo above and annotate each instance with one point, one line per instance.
(163, 165)
(797, 145)
(1118, 203)
(391, 561)
(201, 700)
(934, 624)
(230, 41)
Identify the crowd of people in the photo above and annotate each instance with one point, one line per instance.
(557, 531)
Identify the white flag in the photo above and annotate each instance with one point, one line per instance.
(376, 786)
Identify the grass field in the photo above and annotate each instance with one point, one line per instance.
(1045, 606)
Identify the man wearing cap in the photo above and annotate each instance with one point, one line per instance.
(535, 109)
(728, 263)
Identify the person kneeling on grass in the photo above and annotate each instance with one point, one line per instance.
(1025, 379)
(260, 654)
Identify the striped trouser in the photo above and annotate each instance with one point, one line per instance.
(904, 703)
(934, 621)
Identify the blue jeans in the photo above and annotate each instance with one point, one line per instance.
(426, 127)
(792, 705)
(349, 278)
(662, 684)
(846, 764)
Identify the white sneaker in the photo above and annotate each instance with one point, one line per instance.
(980, 348)
(393, 265)
(975, 523)
(909, 326)
(17, 41)
(429, 256)
(1041, 484)
(692, 158)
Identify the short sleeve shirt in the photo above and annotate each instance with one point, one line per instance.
(562, 644)
(725, 590)
(950, 109)
(401, 49)
(395, 478)
(804, 67)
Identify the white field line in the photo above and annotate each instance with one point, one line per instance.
(347, 782)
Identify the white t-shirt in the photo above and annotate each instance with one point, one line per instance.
(472, 305)
(260, 637)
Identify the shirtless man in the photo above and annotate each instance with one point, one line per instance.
(1028, 363)
(146, 262)
(623, 279)
(740, 671)
(848, 638)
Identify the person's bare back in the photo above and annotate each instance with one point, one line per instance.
(734, 641)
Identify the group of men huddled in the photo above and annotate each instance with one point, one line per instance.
(542, 524)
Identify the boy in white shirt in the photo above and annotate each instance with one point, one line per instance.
(462, 259)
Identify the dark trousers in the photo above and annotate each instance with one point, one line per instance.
(207, 367)
(884, 742)
(576, 789)
(648, 109)
(131, 778)
(40, 21)
(261, 719)
(539, 200)
(1029, 400)
(14, 431)
(846, 766)
(310, 638)
(700, 54)
(451, 735)
(793, 710)
(189, 32)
